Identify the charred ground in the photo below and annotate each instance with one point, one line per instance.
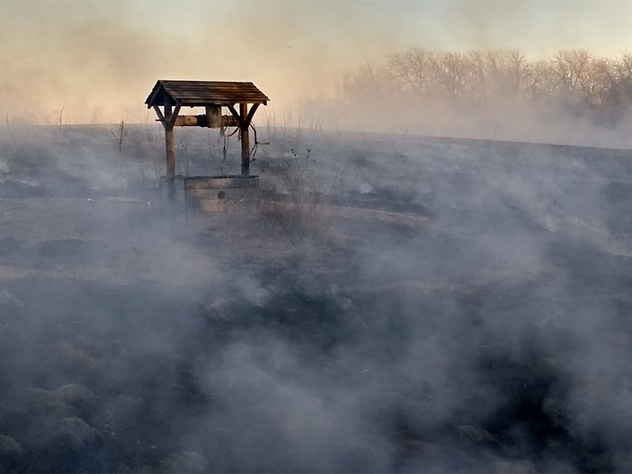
(456, 306)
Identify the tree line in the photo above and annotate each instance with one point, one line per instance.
(576, 80)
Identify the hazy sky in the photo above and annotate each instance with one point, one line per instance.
(87, 53)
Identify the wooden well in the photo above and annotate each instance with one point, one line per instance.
(240, 99)
(210, 194)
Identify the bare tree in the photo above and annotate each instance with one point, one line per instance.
(623, 77)
(119, 136)
(10, 130)
(572, 69)
(369, 84)
(413, 69)
(516, 75)
(541, 83)
(97, 114)
(60, 119)
(454, 81)
(451, 72)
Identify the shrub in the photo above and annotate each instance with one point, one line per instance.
(294, 204)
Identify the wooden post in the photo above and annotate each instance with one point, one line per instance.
(245, 140)
(170, 147)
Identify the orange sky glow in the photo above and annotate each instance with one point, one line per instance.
(105, 55)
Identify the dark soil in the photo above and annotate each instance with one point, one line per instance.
(484, 326)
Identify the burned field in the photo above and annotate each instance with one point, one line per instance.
(449, 305)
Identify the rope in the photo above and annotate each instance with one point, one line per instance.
(222, 133)
(253, 152)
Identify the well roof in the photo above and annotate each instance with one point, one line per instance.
(201, 93)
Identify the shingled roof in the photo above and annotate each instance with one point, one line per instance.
(201, 93)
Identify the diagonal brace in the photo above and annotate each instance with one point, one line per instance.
(174, 115)
(236, 115)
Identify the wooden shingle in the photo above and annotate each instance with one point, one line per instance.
(202, 93)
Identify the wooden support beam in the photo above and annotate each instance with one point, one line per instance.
(170, 149)
(251, 114)
(170, 145)
(235, 113)
(245, 140)
(229, 121)
(160, 116)
(191, 121)
(172, 118)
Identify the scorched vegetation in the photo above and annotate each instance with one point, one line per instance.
(390, 303)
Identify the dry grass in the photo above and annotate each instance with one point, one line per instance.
(295, 205)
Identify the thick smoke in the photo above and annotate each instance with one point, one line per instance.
(460, 306)
(398, 297)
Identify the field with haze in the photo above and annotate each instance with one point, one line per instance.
(433, 274)
(386, 303)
